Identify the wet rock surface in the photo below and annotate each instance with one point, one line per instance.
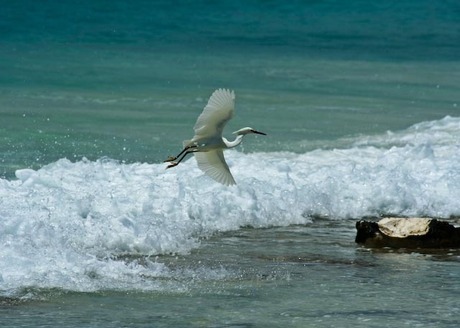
(407, 233)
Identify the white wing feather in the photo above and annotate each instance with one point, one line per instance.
(216, 114)
(213, 164)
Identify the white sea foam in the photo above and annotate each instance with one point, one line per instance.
(67, 224)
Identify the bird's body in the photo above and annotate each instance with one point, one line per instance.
(208, 144)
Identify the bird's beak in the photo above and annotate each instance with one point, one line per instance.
(258, 132)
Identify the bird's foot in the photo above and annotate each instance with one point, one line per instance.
(172, 165)
(170, 159)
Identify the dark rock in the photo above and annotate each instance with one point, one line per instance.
(407, 233)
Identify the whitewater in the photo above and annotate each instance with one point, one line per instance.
(95, 225)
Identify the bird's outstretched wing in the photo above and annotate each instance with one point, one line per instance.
(213, 164)
(216, 114)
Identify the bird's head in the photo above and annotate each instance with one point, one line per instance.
(248, 130)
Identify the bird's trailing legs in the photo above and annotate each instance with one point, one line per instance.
(187, 150)
(173, 158)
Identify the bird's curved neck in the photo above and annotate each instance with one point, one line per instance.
(234, 143)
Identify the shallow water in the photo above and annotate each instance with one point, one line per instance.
(300, 276)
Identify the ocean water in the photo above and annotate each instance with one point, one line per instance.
(361, 106)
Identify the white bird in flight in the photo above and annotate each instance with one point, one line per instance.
(208, 144)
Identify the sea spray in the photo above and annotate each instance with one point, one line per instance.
(79, 225)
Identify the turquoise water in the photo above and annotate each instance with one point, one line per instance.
(361, 106)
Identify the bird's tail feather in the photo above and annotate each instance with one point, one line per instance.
(186, 143)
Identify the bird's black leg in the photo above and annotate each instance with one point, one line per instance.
(173, 158)
(188, 151)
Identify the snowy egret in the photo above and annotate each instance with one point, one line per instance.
(208, 144)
